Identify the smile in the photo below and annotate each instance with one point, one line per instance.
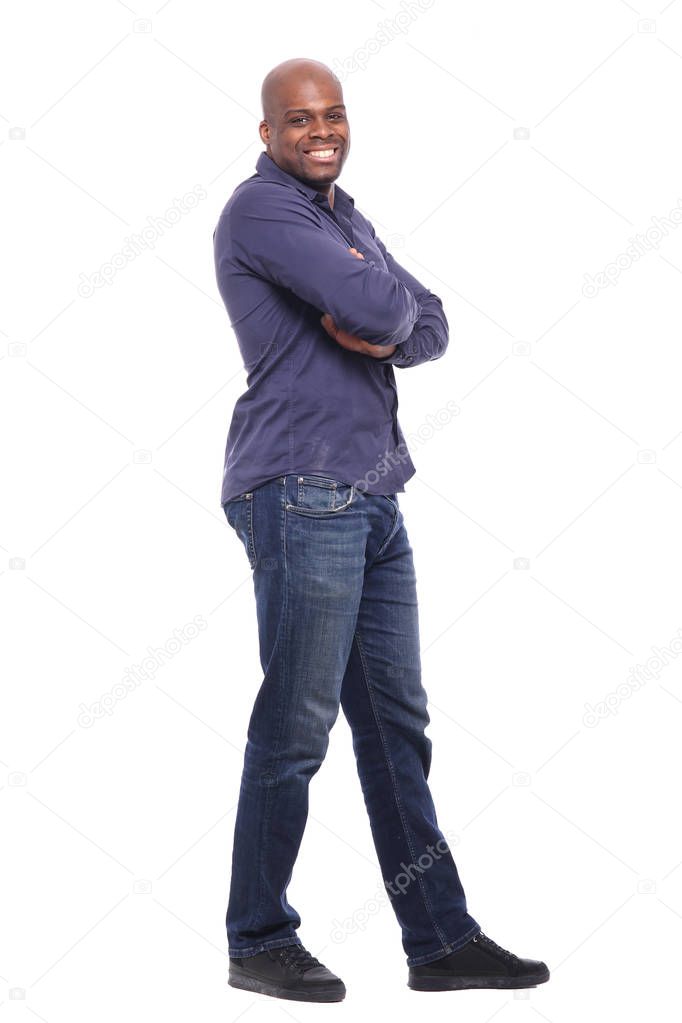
(322, 155)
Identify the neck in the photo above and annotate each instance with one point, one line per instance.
(327, 190)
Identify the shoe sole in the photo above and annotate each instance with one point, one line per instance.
(263, 987)
(460, 983)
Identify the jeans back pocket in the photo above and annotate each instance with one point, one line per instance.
(318, 495)
(239, 514)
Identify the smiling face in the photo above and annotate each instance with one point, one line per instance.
(306, 129)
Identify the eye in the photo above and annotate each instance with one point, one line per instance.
(296, 120)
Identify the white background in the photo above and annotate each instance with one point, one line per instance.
(567, 452)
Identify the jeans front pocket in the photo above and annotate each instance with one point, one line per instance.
(318, 496)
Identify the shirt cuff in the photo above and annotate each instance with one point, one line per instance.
(399, 358)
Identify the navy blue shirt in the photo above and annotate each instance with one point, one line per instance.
(312, 406)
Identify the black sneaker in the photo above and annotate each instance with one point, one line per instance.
(289, 971)
(479, 963)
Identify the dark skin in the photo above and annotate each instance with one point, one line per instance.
(303, 110)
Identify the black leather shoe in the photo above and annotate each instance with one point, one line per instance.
(479, 963)
(289, 971)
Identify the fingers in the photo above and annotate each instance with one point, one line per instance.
(327, 322)
(355, 252)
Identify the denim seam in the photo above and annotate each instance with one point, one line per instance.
(238, 953)
(250, 531)
(396, 795)
(282, 688)
(269, 796)
(452, 946)
(391, 534)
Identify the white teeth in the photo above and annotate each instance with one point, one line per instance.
(321, 152)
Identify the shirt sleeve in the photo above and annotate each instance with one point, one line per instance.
(274, 232)
(430, 335)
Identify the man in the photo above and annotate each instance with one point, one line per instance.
(314, 463)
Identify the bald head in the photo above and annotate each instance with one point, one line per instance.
(280, 79)
(304, 126)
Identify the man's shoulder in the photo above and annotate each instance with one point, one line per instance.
(261, 193)
(259, 206)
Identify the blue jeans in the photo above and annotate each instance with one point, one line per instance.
(336, 605)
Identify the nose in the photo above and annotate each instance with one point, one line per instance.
(319, 129)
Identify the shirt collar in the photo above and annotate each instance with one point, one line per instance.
(267, 168)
